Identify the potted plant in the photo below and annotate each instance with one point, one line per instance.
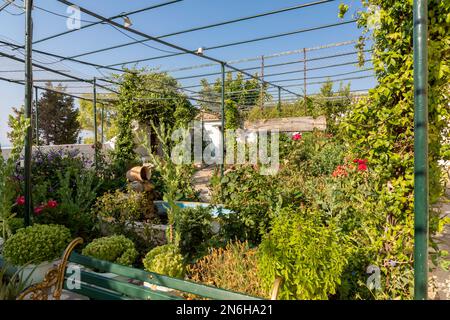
(35, 248)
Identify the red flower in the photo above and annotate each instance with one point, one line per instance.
(52, 204)
(360, 161)
(38, 210)
(297, 136)
(362, 167)
(20, 201)
(362, 164)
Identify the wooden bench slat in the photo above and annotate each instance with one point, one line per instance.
(161, 280)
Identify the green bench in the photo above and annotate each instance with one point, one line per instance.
(127, 285)
(96, 286)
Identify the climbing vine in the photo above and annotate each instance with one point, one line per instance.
(381, 128)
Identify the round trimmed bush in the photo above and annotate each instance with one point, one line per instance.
(165, 260)
(36, 244)
(117, 249)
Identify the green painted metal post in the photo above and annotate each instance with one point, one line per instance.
(279, 98)
(223, 119)
(421, 198)
(28, 106)
(36, 114)
(94, 102)
(102, 124)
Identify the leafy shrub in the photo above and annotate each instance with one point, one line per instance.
(44, 165)
(251, 196)
(193, 230)
(121, 207)
(122, 213)
(314, 154)
(234, 267)
(308, 256)
(117, 249)
(165, 260)
(76, 192)
(36, 244)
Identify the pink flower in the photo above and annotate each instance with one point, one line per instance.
(297, 136)
(52, 204)
(340, 171)
(20, 201)
(38, 210)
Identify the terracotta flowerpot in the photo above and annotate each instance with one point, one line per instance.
(141, 174)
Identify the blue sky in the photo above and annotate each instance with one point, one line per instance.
(179, 16)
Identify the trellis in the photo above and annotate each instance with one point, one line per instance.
(421, 204)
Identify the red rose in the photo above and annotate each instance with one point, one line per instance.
(38, 210)
(297, 136)
(52, 204)
(20, 201)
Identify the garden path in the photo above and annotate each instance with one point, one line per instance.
(200, 181)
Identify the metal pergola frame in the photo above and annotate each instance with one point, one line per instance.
(421, 198)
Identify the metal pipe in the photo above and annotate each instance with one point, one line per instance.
(28, 106)
(36, 114)
(262, 83)
(421, 198)
(94, 102)
(304, 77)
(223, 119)
(102, 124)
(279, 99)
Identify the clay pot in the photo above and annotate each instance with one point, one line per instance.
(142, 173)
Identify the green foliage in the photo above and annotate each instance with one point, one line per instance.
(7, 185)
(192, 231)
(234, 267)
(174, 178)
(343, 8)
(306, 254)
(58, 117)
(11, 285)
(285, 110)
(334, 105)
(14, 224)
(232, 116)
(165, 260)
(36, 244)
(147, 97)
(122, 207)
(251, 196)
(240, 91)
(76, 193)
(380, 128)
(314, 155)
(117, 249)
(86, 116)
